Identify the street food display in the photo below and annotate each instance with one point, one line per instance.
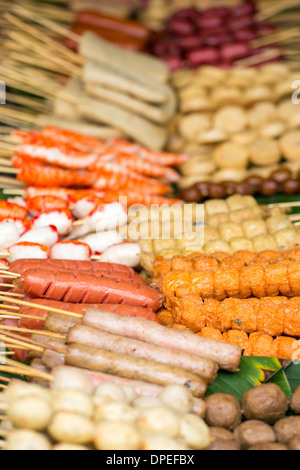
(149, 298)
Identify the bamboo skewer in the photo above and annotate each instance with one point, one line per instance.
(63, 31)
(72, 56)
(39, 332)
(274, 9)
(20, 315)
(4, 298)
(17, 342)
(30, 343)
(258, 58)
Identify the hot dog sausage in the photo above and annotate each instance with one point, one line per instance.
(103, 361)
(206, 368)
(87, 288)
(131, 28)
(21, 266)
(228, 358)
(106, 269)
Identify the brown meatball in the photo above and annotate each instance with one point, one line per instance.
(287, 428)
(295, 402)
(294, 444)
(220, 433)
(267, 402)
(223, 410)
(223, 444)
(253, 432)
(269, 446)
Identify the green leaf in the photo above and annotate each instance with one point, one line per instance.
(289, 379)
(253, 371)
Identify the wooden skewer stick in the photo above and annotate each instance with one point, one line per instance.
(4, 298)
(4, 379)
(10, 307)
(274, 9)
(11, 182)
(10, 286)
(13, 192)
(72, 56)
(20, 315)
(38, 332)
(17, 342)
(2, 417)
(40, 49)
(10, 273)
(13, 363)
(30, 343)
(47, 23)
(285, 204)
(258, 58)
(10, 345)
(20, 371)
(12, 294)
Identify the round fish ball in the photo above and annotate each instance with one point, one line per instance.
(19, 389)
(178, 398)
(27, 440)
(110, 392)
(267, 402)
(73, 401)
(148, 402)
(194, 432)
(117, 436)
(223, 410)
(264, 152)
(68, 378)
(231, 119)
(30, 412)
(231, 155)
(158, 420)
(162, 442)
(71, 427)
(116, 412)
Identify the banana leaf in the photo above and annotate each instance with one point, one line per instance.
(288, 379)
(253, 371)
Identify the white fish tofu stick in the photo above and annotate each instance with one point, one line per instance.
(48, 236)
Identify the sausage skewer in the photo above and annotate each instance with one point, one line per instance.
(227, 358)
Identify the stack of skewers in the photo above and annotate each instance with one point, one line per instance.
(249, 299)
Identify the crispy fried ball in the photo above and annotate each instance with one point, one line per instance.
(287, 428)
(267, 402)
(253, 432)
(295, 402)
(223, 411)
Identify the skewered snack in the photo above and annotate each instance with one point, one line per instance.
(271, 315)
(218, 36)
(66, 420)
(230, 137)
(280, 180)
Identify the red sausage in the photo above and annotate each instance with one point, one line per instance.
(131, 28)
(23, 265)
(87, 288)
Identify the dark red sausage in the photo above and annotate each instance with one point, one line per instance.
(87, 288)
(21, 266)
(131, 28)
